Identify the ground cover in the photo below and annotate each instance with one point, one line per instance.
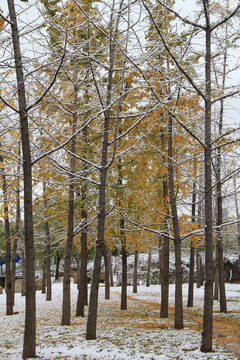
(137, 333)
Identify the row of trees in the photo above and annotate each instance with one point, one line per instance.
(121, 107)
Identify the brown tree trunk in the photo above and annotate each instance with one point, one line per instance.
(47, 250)
(124, 267)
(198, 269)
(107, 282)
(17, 230)
(8, 281)
(223, 302)
(57, 259)
(82, 280)
(66, 305)
(23, 269)
(29, 347)
(148, 269)
(93, 301)
(83, 286)
(110, 267)
(216, 277)
(206, 344)
(44, 270)
(178, 321)
(135, 271)
(164, 261)
(191, 267)
(48, 263)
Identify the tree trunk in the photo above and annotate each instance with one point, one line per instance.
(58, 259)
(149, 269)
(48, 262)
(29, 347)
(164, 261)
(82, 280)
(107, 282)
(47, 251)
(110, 267)
(198, 269)
(23, 269)
(237, 216)
(135, 271)
(216, 282)
(206, 344)
(17, 230)
(66, 305)
(124, 267)
(191, 268)
(93, 301)
(8, 281)
(83, 285)
(178, 321)
(223, 302)
(44, 269)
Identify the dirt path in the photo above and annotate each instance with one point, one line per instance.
(226, 328)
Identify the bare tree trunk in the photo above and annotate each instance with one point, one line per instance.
(44, 269)
(29, 347)
(93, 301)
(48, 263)
(206, 345)
(23, 268)
(198, 269)
(149, 268)
(82, 280)
(83, 286)
(8, 281)
(57, 259)
(135, 271)
(110, 267)
(223, 302)
(164, 273)
(107, 282)
(237, 216)
(47, 250)
(124, 267)
(216, 280)
(17, 229)
(66, 305)
(191, 267)
(178, 321)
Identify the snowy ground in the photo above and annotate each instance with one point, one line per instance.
(137, 333)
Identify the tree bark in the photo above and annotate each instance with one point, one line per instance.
(164, 261)
(135, 271)
(29, 347)
(206, 344)
(124, 267)
(82, 283)
(110, 267)
(66, 305)
(47, 250)
(23, 268)
(191, 267)
(107, 282)
(178, 321)
(93, 301)
(148, 269)
(8, 281)
(57, 259)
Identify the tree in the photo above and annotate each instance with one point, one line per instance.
(29, 349)
(208, 28)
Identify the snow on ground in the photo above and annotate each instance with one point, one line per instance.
(137, 333)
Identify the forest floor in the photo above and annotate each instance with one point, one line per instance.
(137, 333)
